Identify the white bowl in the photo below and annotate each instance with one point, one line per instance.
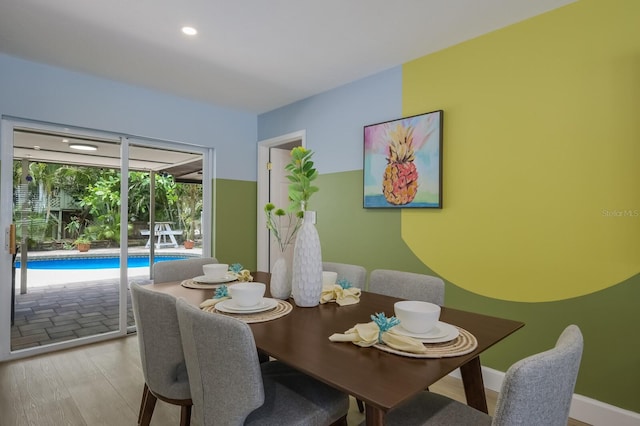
(329, 278)
(247, 294)
(416, 316)
(215, 270)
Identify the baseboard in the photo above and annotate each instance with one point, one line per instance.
(584, 409)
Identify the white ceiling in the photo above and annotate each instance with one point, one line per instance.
(254, 55)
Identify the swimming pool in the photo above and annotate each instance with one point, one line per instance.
(110, 262)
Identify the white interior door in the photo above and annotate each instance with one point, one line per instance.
(279, 190)
(269, 186)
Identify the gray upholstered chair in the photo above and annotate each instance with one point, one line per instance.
(407, 285)
(536, 390)
(355, 274)
(163, 364)
(178, 270)
(230, 387)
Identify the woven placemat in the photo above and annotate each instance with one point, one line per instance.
(463, 344)
(190, 283)
(282, 309)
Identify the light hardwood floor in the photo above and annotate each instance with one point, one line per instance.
(101, 384)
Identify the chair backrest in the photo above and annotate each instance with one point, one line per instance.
(355, 274)
(407, 285)
(175, 270)
(538, 389)
(163, 363)
(222, 361)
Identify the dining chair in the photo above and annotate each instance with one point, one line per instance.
(407, 285)
(536, 390)
(355, 274)
(162, 359)
(230, 387)
(177, 270)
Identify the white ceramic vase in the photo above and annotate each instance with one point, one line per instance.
(280, 283)
(306, 280)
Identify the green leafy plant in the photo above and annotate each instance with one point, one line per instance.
(82, 240)
(301, 174)
(73, 227)
(282, 225)
(189, 207)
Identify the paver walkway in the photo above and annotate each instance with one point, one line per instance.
(66, 304)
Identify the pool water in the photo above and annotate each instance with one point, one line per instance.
(93, 262)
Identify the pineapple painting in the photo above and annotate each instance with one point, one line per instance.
(400, 180)
(403, 162)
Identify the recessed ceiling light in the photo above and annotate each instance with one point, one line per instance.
(189, 31)
(83, 147)
(65, 140)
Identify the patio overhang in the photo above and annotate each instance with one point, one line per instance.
(51, 147)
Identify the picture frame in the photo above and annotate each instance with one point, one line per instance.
(403, 162)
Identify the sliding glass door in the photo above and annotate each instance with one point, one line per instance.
(83, 233)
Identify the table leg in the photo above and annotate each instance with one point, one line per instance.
(373, 416)
(473, 385)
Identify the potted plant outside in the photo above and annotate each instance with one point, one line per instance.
(189, 242)
(83, 244)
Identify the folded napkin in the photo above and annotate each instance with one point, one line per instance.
(222, 293)
(379, 331)
(342, 293)
(241, 274)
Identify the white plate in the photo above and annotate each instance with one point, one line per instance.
(230, 307)
(442, 332)
(202, 279)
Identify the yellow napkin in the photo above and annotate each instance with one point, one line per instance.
(342, 296)
(212, 302)
(366, 335)
(243, 275)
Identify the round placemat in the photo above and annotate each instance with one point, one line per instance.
(190, 283)
(282, 309)
(463, 344)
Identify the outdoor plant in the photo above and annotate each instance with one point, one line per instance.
(83, 239)
(73, 227)
(189, 207)
(83, 242)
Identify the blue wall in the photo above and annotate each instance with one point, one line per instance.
(334, 120)
(39, 92)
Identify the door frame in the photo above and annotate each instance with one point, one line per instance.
(264, 190)
(7, 126)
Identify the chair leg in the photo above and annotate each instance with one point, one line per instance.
(360, 405)
(145, 392)
(147, 410)
(185, 415)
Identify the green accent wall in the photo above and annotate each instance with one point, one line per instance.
(608, 318)
(235, 222)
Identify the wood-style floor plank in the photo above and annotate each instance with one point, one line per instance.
(10, 406)
(90, 389)
(101, 384)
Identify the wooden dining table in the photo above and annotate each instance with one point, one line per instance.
(380, 379)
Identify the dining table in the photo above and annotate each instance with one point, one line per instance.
(382, 380)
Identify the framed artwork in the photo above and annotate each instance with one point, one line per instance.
(403, 162)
